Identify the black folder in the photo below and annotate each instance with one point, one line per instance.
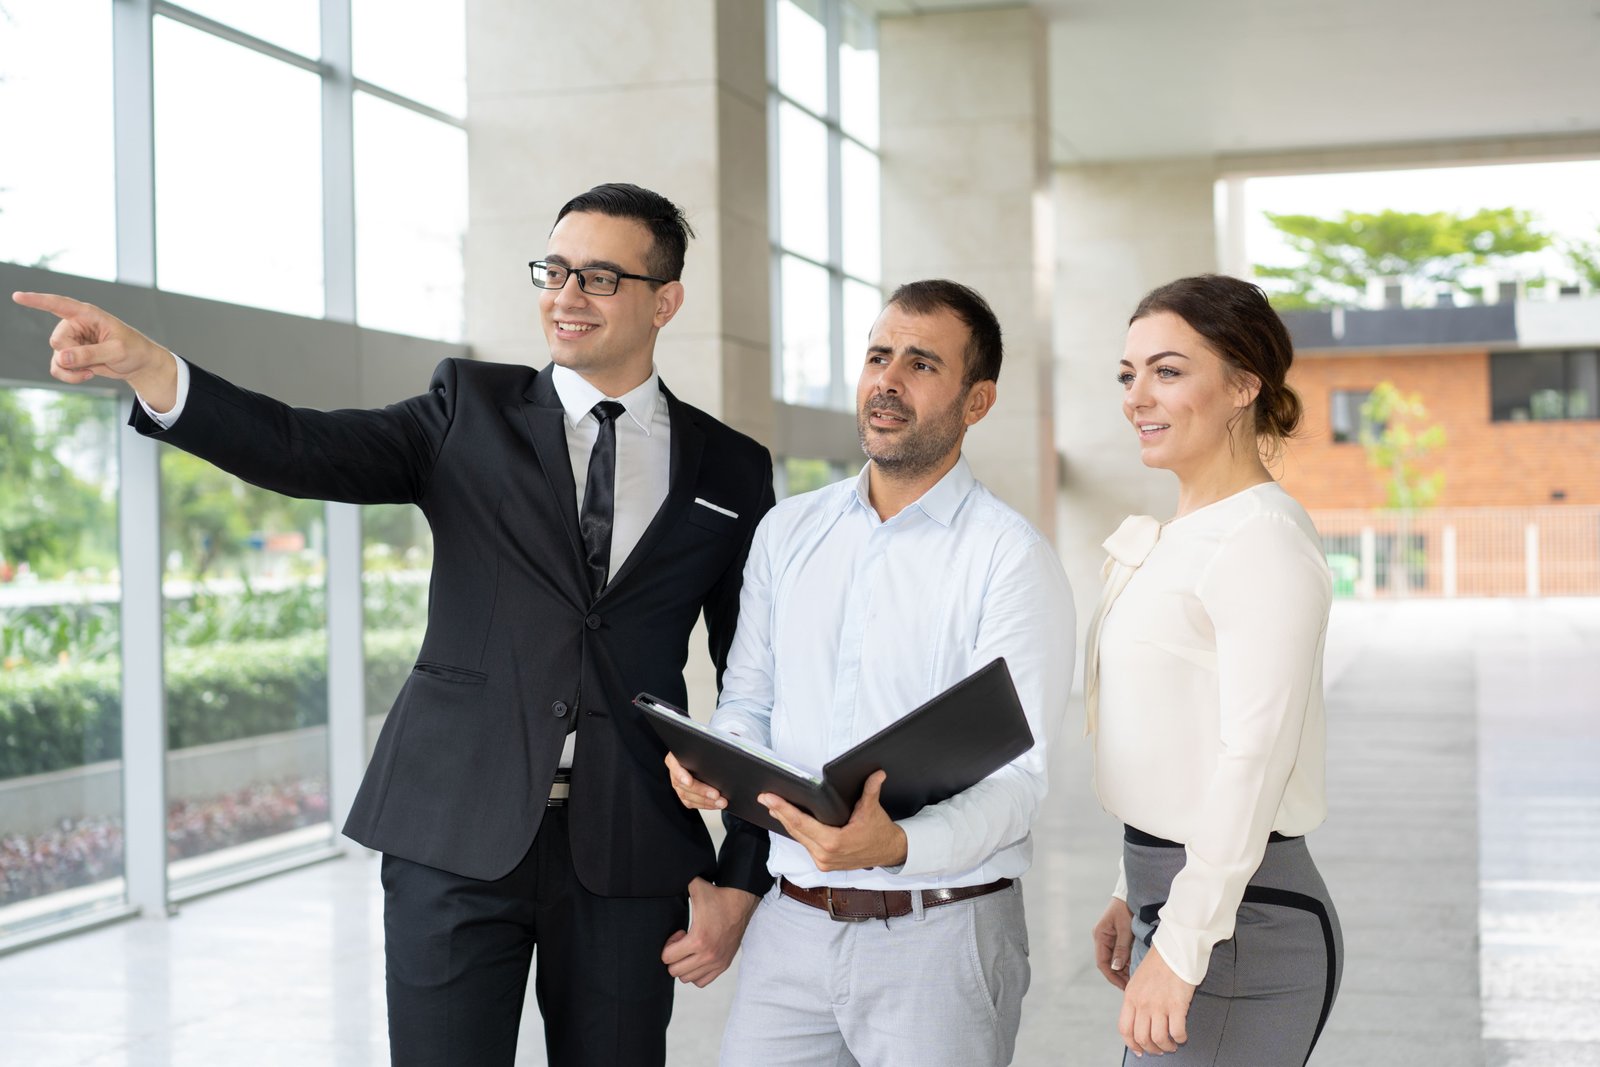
(933, 752)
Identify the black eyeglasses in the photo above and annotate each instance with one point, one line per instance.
(596, 281)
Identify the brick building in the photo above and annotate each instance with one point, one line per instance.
(1520, 407)
(1516, 388)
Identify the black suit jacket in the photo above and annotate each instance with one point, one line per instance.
(515, 642)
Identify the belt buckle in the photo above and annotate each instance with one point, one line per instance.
(827, 897)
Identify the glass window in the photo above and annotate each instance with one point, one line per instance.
(805, 475)
(802, 183)
(54, 212)
(862, 303)
(802, 53)
(396, 561)
(828, 194)
(292, 24)
(807, 355)
(1344, 418)
(60, 657)
(388, 36)
(858, 74)
(411, 220)
(861, 229)
(1544, 386)
(238, 173)
(246, 672)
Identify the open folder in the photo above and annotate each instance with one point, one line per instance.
(931, 753)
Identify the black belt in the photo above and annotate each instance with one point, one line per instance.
(1135, 836)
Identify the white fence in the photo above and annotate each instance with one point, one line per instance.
(1476, 552)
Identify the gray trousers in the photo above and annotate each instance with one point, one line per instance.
(939, 989)
(1268, 990)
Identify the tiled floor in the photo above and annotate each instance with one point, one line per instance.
(1463, 850)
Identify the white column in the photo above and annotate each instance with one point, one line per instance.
(1122, 230)
(965, 135)
(671, 96)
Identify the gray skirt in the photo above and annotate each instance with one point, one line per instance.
(1269, 988)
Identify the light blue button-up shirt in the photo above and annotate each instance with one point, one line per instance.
(847, 622)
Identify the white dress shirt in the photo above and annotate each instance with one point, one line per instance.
(847, 622)
(644, 455)
(1206, 701)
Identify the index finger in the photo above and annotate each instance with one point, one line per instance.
(60, 306)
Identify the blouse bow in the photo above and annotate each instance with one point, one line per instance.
(1128, 547)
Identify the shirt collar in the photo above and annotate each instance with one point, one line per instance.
(578, 397)
(940, 503)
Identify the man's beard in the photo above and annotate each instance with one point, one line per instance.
(921, 446)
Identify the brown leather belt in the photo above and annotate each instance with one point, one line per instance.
(859, 905)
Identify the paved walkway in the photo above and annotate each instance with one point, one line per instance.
(1463, 850)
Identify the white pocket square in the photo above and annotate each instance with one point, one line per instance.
(718, 510)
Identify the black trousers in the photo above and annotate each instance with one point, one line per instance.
(458, 952)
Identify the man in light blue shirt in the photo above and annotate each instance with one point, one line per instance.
(861, 601)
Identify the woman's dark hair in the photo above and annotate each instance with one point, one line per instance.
(669, 230)
(1241, 327)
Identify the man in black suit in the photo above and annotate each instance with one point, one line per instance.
(583, 518)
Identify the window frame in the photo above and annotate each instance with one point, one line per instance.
(841, 391)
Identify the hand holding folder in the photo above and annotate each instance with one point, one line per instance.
(935, 751)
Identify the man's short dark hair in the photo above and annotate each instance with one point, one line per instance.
(669, 229)
(982, 357)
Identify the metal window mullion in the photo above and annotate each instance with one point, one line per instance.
(238, 37)
(133, 152)
(144, 708)
(338, 164)
(410, 105)
(347, 735)
(837, 391)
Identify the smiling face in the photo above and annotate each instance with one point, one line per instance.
(912, 405)
(1181, 398)
(610, 340)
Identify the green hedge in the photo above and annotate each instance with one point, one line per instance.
(52, 718)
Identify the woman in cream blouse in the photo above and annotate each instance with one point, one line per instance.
(1203, 681)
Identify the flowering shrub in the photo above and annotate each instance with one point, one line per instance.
(88, 850)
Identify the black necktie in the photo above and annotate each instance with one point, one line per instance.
(594, 522)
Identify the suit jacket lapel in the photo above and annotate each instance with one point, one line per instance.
(688, 441)
(547, 425)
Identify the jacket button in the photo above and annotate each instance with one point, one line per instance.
(559, 708)
(592, 622)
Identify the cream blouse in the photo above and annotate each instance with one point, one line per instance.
(1203, 686)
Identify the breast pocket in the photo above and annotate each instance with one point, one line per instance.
(706, 519)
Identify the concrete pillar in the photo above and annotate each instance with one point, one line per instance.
(1122, 229)
(965, 196)
(563, 97)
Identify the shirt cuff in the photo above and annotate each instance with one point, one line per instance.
(166, 419)
(928, 846)
(1121, 891)
(1187, 951)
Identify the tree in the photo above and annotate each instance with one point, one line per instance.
(1343, 254)
(1396, 445)
(1584, 255)
(51, 518)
